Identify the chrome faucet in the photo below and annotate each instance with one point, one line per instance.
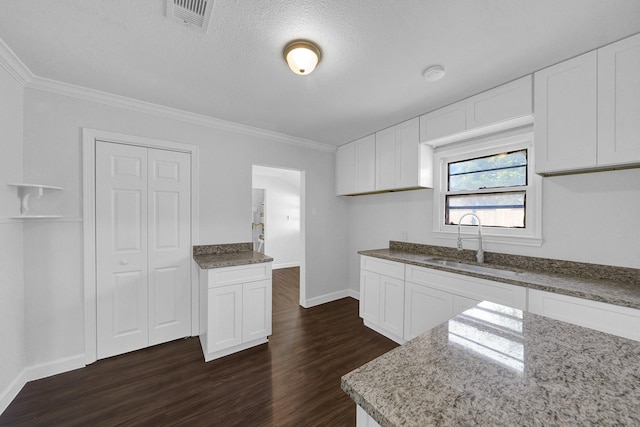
(480, 254)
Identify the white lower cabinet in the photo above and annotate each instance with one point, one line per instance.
(363, 419)
(235, 312)
(403, 301)
(382, 297)
(434, 296)
(425, 308)
(609, 318)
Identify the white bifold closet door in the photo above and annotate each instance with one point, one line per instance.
(143, 247)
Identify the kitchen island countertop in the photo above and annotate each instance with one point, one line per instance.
(495, 365)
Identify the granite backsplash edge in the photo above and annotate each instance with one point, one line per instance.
(546, 265)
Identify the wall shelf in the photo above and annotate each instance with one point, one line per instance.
(25, 192)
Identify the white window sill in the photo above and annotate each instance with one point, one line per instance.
(490, 238)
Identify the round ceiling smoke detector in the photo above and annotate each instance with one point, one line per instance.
(433, 74)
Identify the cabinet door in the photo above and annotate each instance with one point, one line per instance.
(365, 160)
(566, 114)
(443, 122)
(425, 308)
(392, 307)
(609, 318)
(408, 159)
(511, 100)
(370, 297)
(345, 169)
(224, 326)
(386, 159)
(256, 310)
(471, 287)
(461, 304)
(619, 103)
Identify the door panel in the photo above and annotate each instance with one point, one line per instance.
(619, 103)
(370, 297)
(425, 308)
(256, 316)
(121, 252)
(129, 292)
(225, 319)
(127, 224)
(392, 305)
(162, 302)
(169, 245)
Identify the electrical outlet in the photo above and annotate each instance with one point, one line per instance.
(404, 236)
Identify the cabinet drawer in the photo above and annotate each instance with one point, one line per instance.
(382, 266)
(239, 274)
(467, 286)
(603, 317)
(513, 99)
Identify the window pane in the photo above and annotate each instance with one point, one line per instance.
(494, 210)
(489, 179)
(496, 171)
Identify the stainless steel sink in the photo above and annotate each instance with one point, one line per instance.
(474, 268)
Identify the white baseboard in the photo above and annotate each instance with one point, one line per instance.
(323, 299)
(36, 372)
(12, 391)
(354, 294)
(55, 367)
(285, 265)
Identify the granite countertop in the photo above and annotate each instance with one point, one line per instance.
(227, 255)
(499, 366)
(613, 285)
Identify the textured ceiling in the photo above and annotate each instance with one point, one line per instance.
(370, 75)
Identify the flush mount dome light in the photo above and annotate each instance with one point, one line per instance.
(433, 74)
(302, 56)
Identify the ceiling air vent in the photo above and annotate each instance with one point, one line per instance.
(194, 13)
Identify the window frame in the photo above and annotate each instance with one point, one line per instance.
(531, 235)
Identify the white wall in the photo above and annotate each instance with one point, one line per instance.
(52, 154)
(589, 217)
(12, 335)
(282, 202)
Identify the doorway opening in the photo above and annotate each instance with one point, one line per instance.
(259, 219)
(277, 222)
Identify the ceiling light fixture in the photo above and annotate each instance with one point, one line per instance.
(433, 74)
(302, 56)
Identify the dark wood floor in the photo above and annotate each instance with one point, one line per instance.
(294, 380)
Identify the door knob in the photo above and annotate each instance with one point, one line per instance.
(124, 261)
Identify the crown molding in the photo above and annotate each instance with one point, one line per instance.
(14, 66)
(24, 76)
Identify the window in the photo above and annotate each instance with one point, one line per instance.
(492, 178)
(492, 187)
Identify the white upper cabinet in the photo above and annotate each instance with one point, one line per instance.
(345, 169)
(588, 110)
(619, 103)
(386, 159)
(392, 159)
(506, 106)
(365, 164)
(511, 100)
(446, 121)
(566, 115)
(401, 162)
(414, 161)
